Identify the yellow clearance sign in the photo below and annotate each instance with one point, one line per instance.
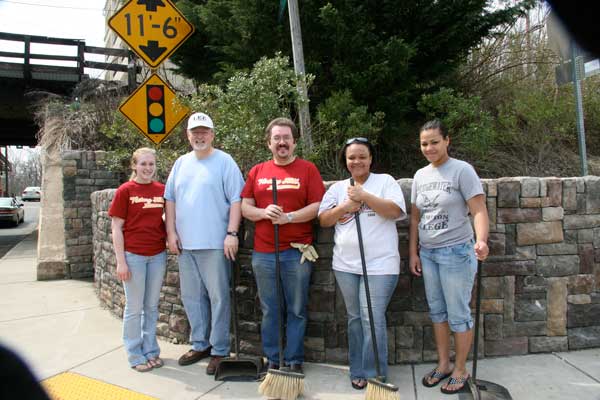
(154, 109)
(153, 29)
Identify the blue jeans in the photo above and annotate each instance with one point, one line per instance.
(448, 274)
(142, 292)
(360, 345)
(205, 294)
(295, 279)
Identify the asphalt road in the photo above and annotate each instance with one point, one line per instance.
(10, 235)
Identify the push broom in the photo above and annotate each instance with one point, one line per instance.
(376, 388)
(282, 383)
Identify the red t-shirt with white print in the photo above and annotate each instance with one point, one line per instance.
(141, 205)
(298, 185)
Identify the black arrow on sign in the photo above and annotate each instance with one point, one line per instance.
(151, 4)
(152, 50)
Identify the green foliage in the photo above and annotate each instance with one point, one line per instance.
(386, 53)
(338, 119)
(246, 105)
(471, 127)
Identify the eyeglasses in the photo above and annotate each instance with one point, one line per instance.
(357, 139)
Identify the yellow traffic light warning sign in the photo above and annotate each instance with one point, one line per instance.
(154, 29)
(154, 109)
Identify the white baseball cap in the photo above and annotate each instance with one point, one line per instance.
(200, 119)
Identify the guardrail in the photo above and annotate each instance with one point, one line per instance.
(79, 59)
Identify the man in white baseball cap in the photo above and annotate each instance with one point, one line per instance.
(203, 213)
(200, 119)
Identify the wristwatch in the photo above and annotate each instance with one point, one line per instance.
(232, 233)
(290, 217)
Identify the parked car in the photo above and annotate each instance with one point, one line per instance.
(11, 210)
(32, 193)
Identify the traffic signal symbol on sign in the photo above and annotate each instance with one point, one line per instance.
(154, 109)
(155, 100)
(154, 29)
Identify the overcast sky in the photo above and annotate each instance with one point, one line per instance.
(72, 19)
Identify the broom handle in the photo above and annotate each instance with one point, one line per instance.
(477, 316)
(278, 275)
(368, 293)
(236, 339)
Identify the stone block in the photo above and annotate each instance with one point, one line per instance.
(557, 265)
(405, 338)
(412, 318)
(321, 299)
(314, 343)
(552, 213)
(492, 288)
(530, 310)
(507, 347)
(583, 315)
(596, 240)
(531, 202)
(497, 244)
(557, 307)
(492, 210)
(514, 215)
(179, 324)
(493, 326)
(539, 233)
(586, 258)
(529, 328)
(569, 194)
(337, 355)
(585, 236)
(509, 193)
(530, 187)
(579, 299)
(553, 192)
(583, 338)
(503, 268)
(492, 188)
(577, 221)
(492, 306)
(580, 284)
(542, 344)
(50, 270)
(530, 284)
(557, 249)
(592, 194)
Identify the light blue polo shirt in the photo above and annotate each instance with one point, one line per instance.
(203, 191)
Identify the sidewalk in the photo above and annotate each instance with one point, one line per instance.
(59, 326)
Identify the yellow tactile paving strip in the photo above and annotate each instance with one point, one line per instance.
(71, 386)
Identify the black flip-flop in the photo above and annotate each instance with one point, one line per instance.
(434, 374)
(454, 381)
(357, 386)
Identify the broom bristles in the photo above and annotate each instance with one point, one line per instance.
(282, 385)
(381, 391)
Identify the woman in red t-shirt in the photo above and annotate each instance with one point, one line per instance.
(139, 238)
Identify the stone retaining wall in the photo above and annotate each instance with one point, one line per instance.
(541, 283)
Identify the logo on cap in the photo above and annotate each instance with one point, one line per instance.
(200, 119)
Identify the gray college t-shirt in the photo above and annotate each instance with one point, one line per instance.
(441, 196)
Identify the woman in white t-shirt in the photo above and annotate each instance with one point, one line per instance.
(379, 200)
(442, 249)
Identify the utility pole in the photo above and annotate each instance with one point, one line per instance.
(298, 54)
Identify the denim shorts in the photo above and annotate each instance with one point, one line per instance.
(448, 273)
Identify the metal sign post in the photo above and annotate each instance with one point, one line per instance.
(579, 108)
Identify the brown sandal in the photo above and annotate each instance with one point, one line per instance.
(143, 367)
(156, 362)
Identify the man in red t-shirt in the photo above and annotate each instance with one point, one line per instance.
(299, 192)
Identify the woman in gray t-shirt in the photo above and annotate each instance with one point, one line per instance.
(443, 251)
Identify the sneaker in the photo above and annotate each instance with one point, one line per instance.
(193, 356)
(213, 364)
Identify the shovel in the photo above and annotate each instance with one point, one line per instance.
(237, 369)
(480, 389)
